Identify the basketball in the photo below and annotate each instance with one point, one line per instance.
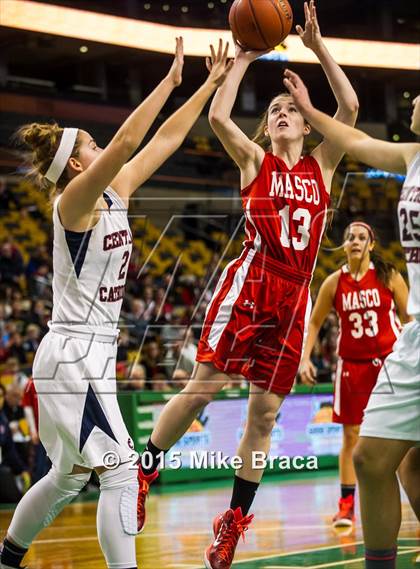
(260, 24)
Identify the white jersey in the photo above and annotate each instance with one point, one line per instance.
(90, 269)
(409, 221)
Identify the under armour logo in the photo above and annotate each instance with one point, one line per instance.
(249, 303)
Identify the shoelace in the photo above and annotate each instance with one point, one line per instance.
(231, 534)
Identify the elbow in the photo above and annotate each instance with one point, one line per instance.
(354, 106)
(348, 111)
(168, 140)
(127, 142)
(130, 145)
(404, 316)
(215, 118)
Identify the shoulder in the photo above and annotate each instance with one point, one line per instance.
(111, 193)
(323, 165)
(116, 194)
(266, 158)
(251, 173)
(412, 155)
(335, 277)
(396, 280)
(312, 163)
(329, 286)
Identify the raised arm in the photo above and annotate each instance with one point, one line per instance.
(326, 153)
(322, 308)
(247, 155)
(172, 133)
(81, 194)
(390, 156)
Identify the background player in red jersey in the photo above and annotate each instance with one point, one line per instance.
(364, 293)
(255, 320)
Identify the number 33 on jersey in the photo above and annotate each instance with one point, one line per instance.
(368, 321)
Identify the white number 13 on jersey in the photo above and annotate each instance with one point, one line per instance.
(300, 215)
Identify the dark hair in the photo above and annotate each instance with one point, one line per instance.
(260, 137)
(384, 269)
(43, 140)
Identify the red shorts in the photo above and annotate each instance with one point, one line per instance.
(255, 321)
(354, 382)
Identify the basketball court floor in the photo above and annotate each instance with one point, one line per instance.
(291, 529)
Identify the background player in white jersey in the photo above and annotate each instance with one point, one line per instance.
(364, 293)
(74, 368)
(391, 427)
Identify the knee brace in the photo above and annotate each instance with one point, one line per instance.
(124, 479)
(68, 487)
(42, 503)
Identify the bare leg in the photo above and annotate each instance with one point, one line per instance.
(182, 409)
(262, 411)
(350, 438)
(409, 473)
(376, 461)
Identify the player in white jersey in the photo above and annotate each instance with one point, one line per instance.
(74, 368)
(390, 432)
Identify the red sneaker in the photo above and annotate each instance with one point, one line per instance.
(144, 485)
(345, 515)
(227, 528)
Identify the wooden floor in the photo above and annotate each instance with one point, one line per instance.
(291, 529)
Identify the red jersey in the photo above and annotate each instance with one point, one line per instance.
(285, 211)
(30, 399)
(369, 324)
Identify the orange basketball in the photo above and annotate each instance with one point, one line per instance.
(260, 24)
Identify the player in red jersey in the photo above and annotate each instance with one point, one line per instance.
(255, 320)
(364, 294)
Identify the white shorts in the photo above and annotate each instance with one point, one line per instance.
(393, 411)
(79, 416)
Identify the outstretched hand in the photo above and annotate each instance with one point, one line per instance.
(175, 72)
(218, 64)
(298, 90)
(311, 35)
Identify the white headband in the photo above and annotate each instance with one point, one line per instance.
(68, 140)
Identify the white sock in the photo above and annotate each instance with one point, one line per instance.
(116, 518)
(42, 503)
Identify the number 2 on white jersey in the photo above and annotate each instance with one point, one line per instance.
(301, 215)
